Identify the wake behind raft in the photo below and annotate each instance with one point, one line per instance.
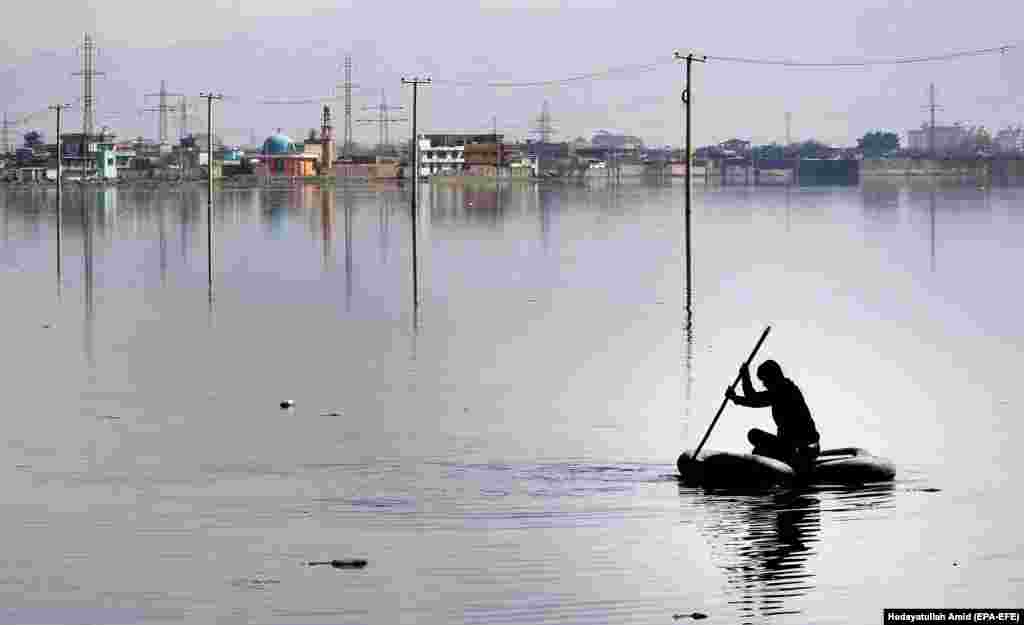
(845, 466)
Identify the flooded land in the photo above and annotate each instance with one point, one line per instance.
(504, 451)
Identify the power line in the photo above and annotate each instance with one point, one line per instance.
(640, 68)
(866, 62)
(608, 73)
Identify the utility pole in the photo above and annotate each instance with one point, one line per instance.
(415, 163)
(789, 129)
(210, 97)
(687, 98)
(59, 108)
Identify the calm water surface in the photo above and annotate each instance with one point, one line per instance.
(505, 453)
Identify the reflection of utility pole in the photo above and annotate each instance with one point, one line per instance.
(931, 212)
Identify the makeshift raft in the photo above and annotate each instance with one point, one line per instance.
(846, 465)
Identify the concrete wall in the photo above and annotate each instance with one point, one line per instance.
(924, 167)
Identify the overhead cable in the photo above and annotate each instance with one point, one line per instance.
(866, 62)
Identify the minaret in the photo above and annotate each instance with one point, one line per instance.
(327, 147)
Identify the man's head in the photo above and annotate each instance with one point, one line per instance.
(770, 373)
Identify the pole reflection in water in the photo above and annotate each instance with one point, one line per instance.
(788, 209)
(931, 214)
(384, 227)
(346, 200)
(687, 362)
(186, 212)
(60, 239)
(162, 224)
(327, 216)
(766, 542)
(545, 198)
(88, 254)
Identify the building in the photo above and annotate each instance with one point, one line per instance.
(443, 154)
(947, 139)
(280, 156)
(79, 152)
(1010, 140)
(737, 147)
(624, 143)
(106, 161)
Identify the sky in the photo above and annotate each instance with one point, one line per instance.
(258, 50)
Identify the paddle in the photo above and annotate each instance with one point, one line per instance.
(725, 400)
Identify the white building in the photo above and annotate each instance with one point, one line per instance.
(442, 154)
(947, 138)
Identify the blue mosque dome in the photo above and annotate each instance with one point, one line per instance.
(278, 144)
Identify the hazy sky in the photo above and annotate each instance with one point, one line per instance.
(259, 49)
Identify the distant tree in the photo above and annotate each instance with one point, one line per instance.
(878, 143)
(33, 139)
(312, 135)
(812, 149)
(771, 151)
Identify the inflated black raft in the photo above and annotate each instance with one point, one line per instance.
(846, 465)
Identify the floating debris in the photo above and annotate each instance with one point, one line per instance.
(288, 403)
(356, 563)
(47, 325)
(333, 413)
(694, 615)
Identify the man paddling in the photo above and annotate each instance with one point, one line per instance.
(797, 442)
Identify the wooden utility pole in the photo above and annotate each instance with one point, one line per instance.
(59, 108)
(210, 97)
(687, 98)
(415, 163)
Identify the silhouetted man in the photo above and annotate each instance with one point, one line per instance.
(797, 441)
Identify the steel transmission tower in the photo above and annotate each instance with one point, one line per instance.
(163, 108)
(6, 147)
(932, 107)
(88, 75)
(346, 146)
(383, 121)
(184, 112)
(544, 130)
